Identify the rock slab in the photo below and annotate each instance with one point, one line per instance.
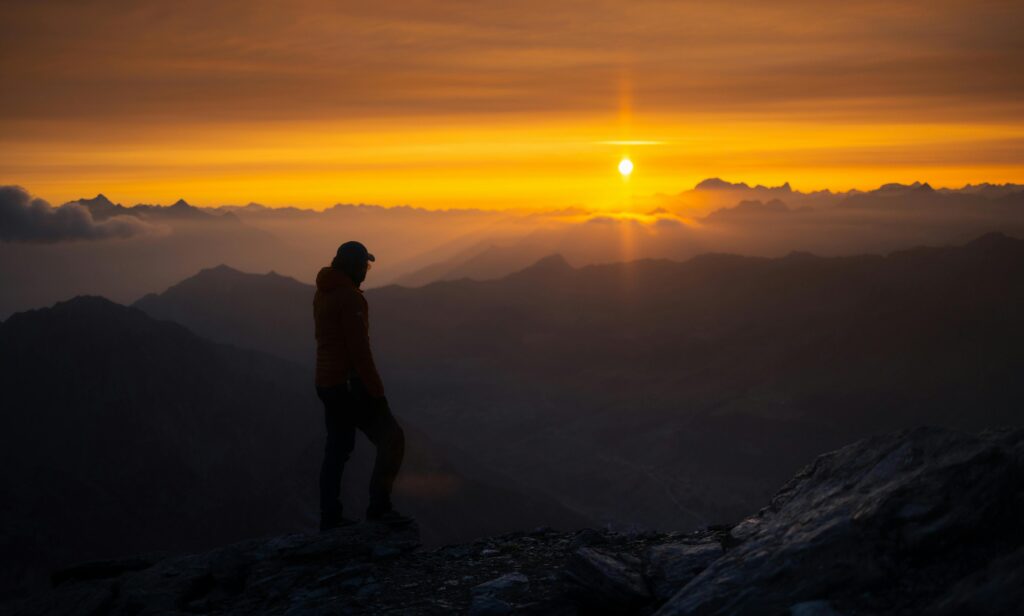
(899, 523)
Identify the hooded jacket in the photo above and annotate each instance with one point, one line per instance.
(341, 315)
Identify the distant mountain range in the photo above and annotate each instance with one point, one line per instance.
(719, 216)
(102, 209)
(122, 434)
(733, 192)
(708, 194)
(619, 388)
(98, 247)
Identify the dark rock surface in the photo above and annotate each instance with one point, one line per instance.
(494, 597)
(338, 573)
(921, 521)
(602, 580)
(671, 566)
(900, 523)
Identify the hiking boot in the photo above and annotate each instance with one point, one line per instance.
(389, 517)
(327, 524)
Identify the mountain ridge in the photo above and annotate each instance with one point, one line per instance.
(721, 348)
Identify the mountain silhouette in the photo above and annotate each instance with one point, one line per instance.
(729, 372)
(745, 209)
(263, 312)
(720, 184)
(422, 246)
(266, 312)
(124, 434)
(481, 262)
(133, 435)
(102, 208)
(551, 265)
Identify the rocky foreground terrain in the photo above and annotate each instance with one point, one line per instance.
(920, 521)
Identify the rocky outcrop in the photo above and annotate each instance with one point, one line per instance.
(922, 521)
(898, 523)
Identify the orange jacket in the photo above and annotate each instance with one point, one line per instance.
(342, 322)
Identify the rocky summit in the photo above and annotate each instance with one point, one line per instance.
(919, 521)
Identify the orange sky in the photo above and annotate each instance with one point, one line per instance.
(503, 104)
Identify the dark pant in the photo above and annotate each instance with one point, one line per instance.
(347, 407)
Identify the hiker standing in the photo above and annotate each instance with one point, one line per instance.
(348, 384)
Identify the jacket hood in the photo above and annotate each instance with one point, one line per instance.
(329, 279)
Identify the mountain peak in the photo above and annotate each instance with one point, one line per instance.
(552, 262)
(220, 270)
(994, 239)
(98, 199)
(719, 184)
(896, 187)
(86, 311)
(226, 272)
(747, 208)
(180, 203)
(86, 302)
(99, 204)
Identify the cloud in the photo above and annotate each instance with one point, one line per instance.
(24, 219)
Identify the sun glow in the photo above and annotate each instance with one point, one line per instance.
(625, 167)
(526, 162)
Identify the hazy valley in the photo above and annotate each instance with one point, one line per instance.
(567, 370)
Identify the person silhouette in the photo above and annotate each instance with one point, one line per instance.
(351, 390)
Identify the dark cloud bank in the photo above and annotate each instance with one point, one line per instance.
(25, 219)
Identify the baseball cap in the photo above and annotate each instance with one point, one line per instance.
(352, 252)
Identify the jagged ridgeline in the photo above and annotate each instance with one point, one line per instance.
(923, 521)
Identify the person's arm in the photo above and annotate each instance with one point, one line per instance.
(357, 341)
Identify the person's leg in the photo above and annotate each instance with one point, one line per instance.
(381, 427)
(340, 440)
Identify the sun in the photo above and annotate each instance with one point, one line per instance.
(625, 167)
